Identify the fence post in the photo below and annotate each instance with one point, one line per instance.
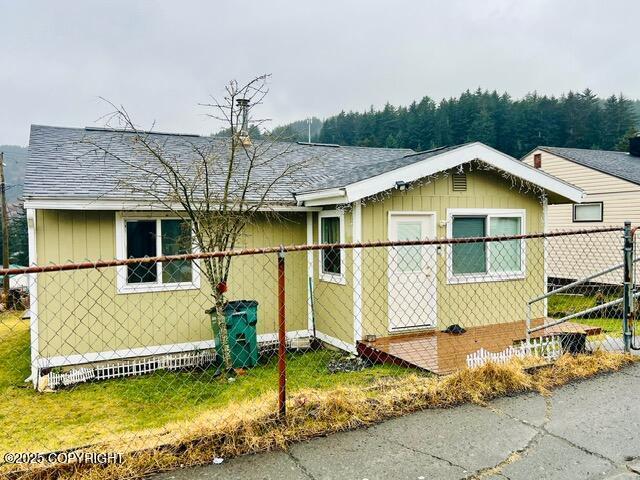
(628, 286)
(282, 340)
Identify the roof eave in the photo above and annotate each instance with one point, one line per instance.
(328, 196)
(445, 161)
(34, 203)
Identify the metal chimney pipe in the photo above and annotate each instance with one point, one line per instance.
(243, 135)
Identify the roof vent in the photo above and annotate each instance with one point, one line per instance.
(634, 146)
(459, 182)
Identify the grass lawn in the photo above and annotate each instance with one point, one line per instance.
(564, 304)
(32, 421)
(561, 304)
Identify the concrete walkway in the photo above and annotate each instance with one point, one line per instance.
(584, 430)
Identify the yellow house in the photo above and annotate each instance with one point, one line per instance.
(77, 210)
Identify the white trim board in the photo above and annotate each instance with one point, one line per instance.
(336, 342)
(33, 294)
(103, 204)
(94, 357)
(439, 163)
(310, 285)
(356, 236)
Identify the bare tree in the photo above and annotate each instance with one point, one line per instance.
(219, 186)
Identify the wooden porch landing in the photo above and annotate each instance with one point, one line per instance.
(442, 353)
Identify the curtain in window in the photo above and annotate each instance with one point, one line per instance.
(330, 227)
(505, 256)
(469, 257)
(176, 240)
(141, 242)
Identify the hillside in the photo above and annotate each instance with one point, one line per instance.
(513, 126)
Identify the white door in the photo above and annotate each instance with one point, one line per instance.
(412, 272)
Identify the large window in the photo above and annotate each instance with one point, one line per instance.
(331, 230)
(150, 237)
(587, 212)
(486, 261)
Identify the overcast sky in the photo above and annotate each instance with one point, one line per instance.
(160, 58)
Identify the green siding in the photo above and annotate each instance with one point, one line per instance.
(333, 303)
(466, 304)
(80, 312)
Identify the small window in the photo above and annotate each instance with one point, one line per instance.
(486, 261)
(150, 238)
(588, 212)
(331, 256)
(331, 259)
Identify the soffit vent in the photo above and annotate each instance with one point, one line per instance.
(459, 181)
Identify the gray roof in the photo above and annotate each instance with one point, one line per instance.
(377, 168)
(68, 163)
(617, 164)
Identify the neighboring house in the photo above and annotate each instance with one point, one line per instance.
(611, 181)
(76, 210)
(20, 281)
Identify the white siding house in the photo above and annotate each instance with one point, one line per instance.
(611, 181)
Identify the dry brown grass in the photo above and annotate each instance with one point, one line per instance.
(243, 429)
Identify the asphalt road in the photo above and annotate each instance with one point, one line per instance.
(584, 430)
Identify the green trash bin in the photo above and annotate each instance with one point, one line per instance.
(241, 317)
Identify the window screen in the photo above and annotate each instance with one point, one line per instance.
(469, 257)
(330, 229)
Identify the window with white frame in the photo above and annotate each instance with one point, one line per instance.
(486, 261)
(331, 230)
(587, 212)
(150, 237)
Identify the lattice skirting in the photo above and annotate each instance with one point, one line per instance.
(131, 367)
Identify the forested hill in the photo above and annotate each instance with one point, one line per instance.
(15, 160)
(513, 126)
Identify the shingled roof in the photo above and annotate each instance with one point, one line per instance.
(618, 164)
(68, 165)
(64, 163)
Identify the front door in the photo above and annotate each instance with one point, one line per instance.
(412, 272)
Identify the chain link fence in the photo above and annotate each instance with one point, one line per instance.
(126, 353)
